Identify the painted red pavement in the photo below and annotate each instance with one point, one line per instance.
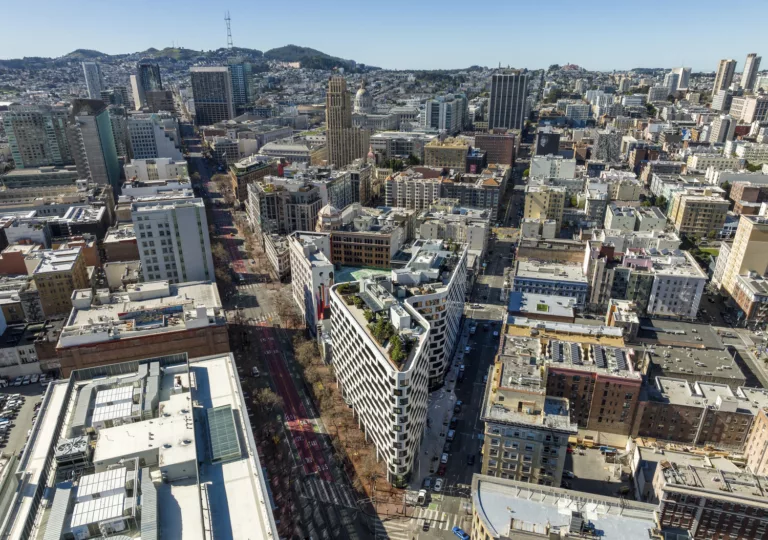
(300, 426)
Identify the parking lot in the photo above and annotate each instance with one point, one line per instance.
(20, 425)
(593, 474)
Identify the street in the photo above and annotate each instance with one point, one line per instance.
(318, 494)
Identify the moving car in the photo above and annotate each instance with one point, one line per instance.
(568, 474)
(458, 531)
(255, 372)
(427, 483)
(425, 526)
(439, 485)
(422, 496)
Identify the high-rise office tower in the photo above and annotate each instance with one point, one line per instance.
(751, 67)
(37, 135)
(173, 241)
(683, 77)
(147, 79)
(345, 143)
(212, 93)
(507, 107)
(94, 81)
(448, 113)
(725, 70)
(722, 129)
(242, 83)
(93, 142)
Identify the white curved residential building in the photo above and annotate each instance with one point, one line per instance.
(389, 397)
(435, 278)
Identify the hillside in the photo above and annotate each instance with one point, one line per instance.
(309, 58)
(84, 54)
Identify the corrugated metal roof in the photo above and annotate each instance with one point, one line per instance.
(58, 514)
(148, 507)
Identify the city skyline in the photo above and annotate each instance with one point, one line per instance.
(526, 45)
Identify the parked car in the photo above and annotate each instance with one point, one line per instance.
(255, 372)
(453, 423)
(568, 474)
(26, 380)
(439, 485)
(444, 458)
(458, 531)
(467, 349)
(451, 434)
(457, 407)
(17, 381)
(441, 469)
(495, 333)
(447, 447)
(35, 378)
(426, 483)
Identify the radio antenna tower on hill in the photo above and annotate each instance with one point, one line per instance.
(229, 31)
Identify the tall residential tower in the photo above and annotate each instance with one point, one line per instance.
(724, 77)
(751, 67)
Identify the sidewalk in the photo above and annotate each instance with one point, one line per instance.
(439, 413)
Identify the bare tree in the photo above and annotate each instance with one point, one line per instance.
(267, 399)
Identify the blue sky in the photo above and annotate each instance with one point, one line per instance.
(426, 34)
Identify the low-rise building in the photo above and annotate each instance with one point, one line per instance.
(446, 220)
(526, 432)
(278, 254)
(708, 503)
(542, 306)
(545, 202)
(249, 170)
(698, 414)
(311, 275)
(450, 153)
(754, 153)
(57, 274)
(146, 318)
(702, 161)
(120, 244)
(599, 381)
(697, 215)
(552, 166)
(550, 279)
(509, 509)
(117, 439)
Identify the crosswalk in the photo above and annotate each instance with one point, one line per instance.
(265, 317)
(405, 529)
(395, 530)
(327, 492)
(442, 520)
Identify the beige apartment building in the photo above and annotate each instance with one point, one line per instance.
(756, 450)
(450, 153)
(526, 432)
(545, 202)
(57, 274)
(749, 252)
(697, 215)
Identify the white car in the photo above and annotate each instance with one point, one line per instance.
(438, 485)
(35, 378)
(495, 333)
(444, 459)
